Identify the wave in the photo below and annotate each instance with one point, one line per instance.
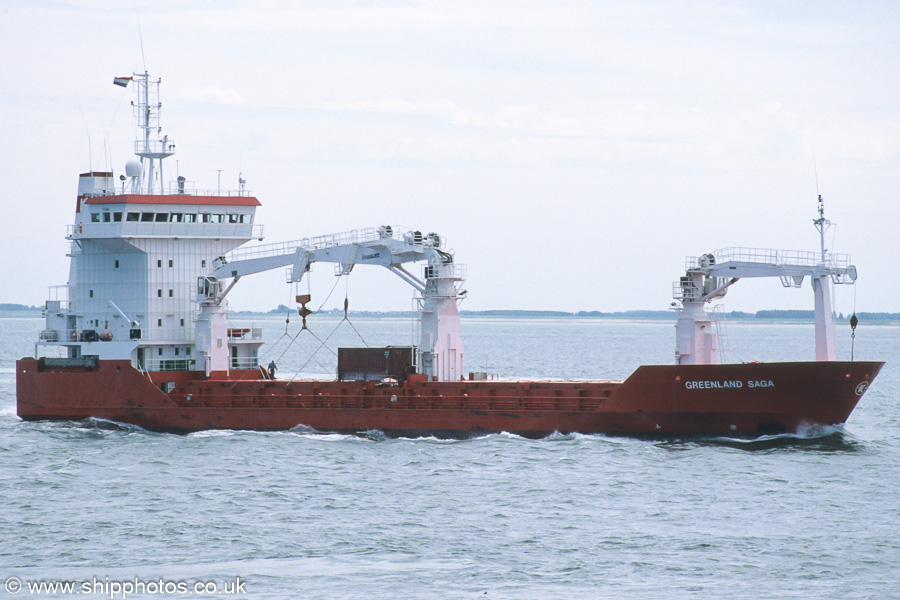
(311, 433)
(214, 433)
(96, 423)
(812, 438)
(92, 427)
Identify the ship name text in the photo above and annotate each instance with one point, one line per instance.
(734, 383)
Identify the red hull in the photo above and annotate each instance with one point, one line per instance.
(743, 399)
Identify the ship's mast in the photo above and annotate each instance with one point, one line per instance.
(149, 146)
(822, 224)
(825, 346)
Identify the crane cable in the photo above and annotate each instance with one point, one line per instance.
(293, 339)
(333, 331)
(304, 327)
(287, 323)
(346, 316)
(263, 370)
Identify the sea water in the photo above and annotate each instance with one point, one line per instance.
(118, 512)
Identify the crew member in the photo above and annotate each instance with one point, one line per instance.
(272, 369)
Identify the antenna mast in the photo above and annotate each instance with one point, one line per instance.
(822, 224)
(149, 146)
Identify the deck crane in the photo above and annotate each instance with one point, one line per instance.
(708, 277)
(440, 349)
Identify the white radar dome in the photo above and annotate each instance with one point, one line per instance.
(133, 168)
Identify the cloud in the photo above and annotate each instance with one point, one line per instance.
(213, 94)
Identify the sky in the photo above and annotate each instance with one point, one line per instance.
(572, 153)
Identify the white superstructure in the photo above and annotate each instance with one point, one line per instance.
(137, 255)
(149, 268)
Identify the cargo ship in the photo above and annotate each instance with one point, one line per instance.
(140, 333)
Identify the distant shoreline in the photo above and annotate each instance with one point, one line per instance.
(762, 316)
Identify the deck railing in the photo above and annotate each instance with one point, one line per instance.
(772, 257)
(169, 364)
(356, 236)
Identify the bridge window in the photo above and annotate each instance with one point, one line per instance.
(190, 218)
(176, 217)
(117, 217)
(162, 217)
(233, 218)
(95, 217)
(132, 217)
(147, 217)
(107, 217)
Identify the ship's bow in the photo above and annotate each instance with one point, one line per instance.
(748, 399)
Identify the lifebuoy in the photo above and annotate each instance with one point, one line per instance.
(74, 335)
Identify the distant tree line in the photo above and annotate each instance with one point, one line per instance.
(810, 315)
(18, 307)
(877, 316)
(516, 313)
(792, 315)
(798, 315)
(786, 314)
